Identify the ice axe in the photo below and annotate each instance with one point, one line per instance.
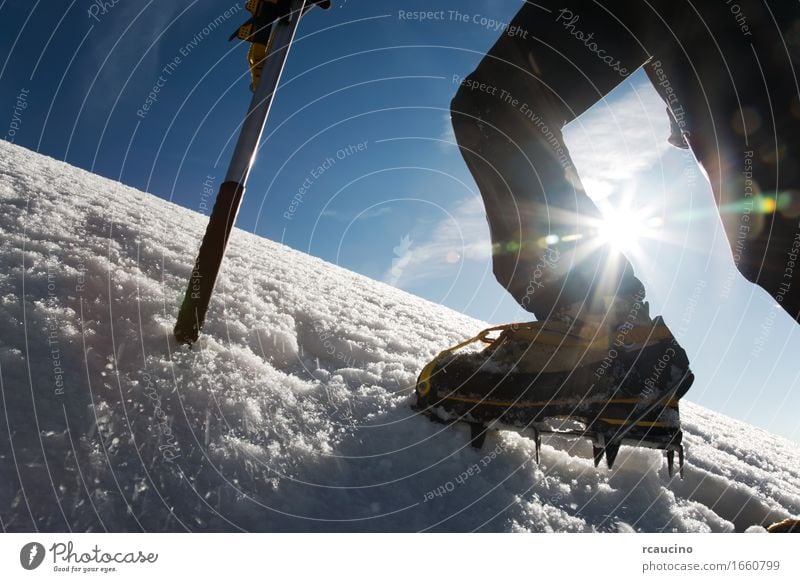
(195, 304)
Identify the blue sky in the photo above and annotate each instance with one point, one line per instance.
(361, 125)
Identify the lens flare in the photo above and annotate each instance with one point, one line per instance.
(622, 229)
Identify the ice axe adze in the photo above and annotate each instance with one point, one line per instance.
(220, 225)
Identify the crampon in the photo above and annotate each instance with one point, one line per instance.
(477, 391)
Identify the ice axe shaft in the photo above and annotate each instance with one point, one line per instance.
(195, 304)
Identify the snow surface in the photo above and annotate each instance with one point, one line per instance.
(293, 412)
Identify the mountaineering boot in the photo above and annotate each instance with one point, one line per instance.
(619, 373)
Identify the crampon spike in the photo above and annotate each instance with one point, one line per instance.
(670, 462)
(680, 460)
(537, 441)
(598, 453)
(477, 435)
(611, 453)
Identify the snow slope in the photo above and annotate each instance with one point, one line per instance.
(293, 412)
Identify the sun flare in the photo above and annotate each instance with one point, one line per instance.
(625, 228)
(621, 230)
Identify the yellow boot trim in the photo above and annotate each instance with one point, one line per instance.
(530, 403)
(424, 383)
(645, 423)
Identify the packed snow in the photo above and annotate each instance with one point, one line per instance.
(293, 411)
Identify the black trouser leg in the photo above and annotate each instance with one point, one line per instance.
(508, 116)
(737, 93)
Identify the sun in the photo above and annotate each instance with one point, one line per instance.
(624, 229)
(621, 230)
